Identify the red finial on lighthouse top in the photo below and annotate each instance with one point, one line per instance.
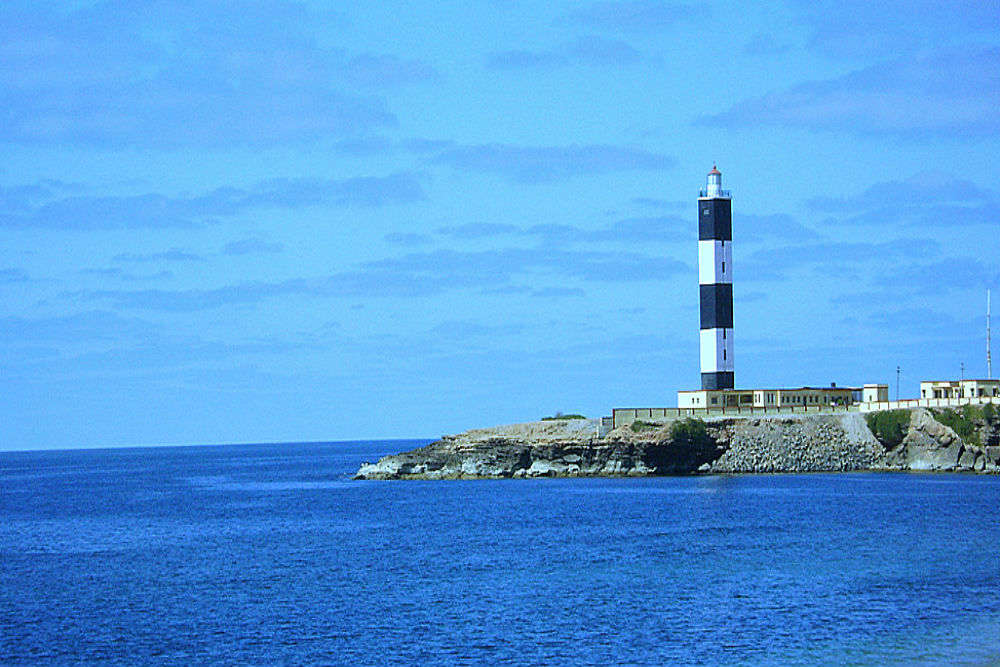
(715, 170)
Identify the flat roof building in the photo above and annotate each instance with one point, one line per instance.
(959, 388)
(769, 398)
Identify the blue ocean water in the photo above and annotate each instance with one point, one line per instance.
(270, 554)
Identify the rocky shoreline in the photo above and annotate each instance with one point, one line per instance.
(804, 443)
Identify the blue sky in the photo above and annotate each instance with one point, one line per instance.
(305, 220)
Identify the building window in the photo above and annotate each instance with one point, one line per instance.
(715, 401)
(723, 266)
(723, 354)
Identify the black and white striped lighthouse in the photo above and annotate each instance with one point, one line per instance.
(715, 282)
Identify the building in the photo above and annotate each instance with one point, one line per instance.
(715, 283)
(875, 393)
(959, 388)
(715, 287)
(770, 398)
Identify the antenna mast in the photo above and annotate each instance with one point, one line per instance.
(989, 356)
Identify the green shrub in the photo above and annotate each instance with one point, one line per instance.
(638, 426)
(964, 423)
(989, 412)
(560, 416)
(889, 426)
(692, 433)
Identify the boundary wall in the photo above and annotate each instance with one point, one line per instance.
(626, 416)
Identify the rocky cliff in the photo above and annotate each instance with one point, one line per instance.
(813, 443)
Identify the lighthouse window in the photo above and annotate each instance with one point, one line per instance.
(723, 266)
(723, 354)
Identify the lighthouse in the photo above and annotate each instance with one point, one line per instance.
(715, 283)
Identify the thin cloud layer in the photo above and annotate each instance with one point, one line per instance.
(251, 246)
(533, 164)
(588, 50)
(927, 199)
(172, 255)
(632, 15)
(247, 75)
(952, 95)
(157, 210)
(861, 28)
(417, 275)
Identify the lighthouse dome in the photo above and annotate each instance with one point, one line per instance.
(714, 184)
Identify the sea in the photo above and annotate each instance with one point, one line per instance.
(271, 554)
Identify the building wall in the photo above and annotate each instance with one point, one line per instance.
(959, 388)
(762, 398)
(875, 392)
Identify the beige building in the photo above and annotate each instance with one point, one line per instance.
(875, 393)
(770, 398)
(959, 388)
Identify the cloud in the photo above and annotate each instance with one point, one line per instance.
(462, 330)
(416, 275)
(758, 228)
(13, 276)
(533, 164)
(648, 229)
(588, 50)
(120, 274)
(379, 145)
(953, 95)
(860, 28)
(557, 292)
(478, 230)
(520, 59)
(927, 187)
(632, 15)
(172, 255)
(942, 275)
(204, 74)
(157, 210)
(406, 239)
(832, 257)
(22, 198)
(379, 71)
(488, 268)
(925, 199)
(251, 246)
(87, 326)
(652, 202)
(764, 44)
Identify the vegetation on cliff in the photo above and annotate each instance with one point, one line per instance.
(889, 427)
(692, 433)
(560, 416)
(968, 422)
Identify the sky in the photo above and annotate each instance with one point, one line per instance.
(289, 221)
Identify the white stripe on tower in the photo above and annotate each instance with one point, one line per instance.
(715, 279)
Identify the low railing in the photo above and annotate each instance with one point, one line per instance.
(721, 193)
(909, 403)
(625, 416)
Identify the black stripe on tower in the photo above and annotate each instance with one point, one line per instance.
(718, 380)
(715, 220)
(716, 306)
